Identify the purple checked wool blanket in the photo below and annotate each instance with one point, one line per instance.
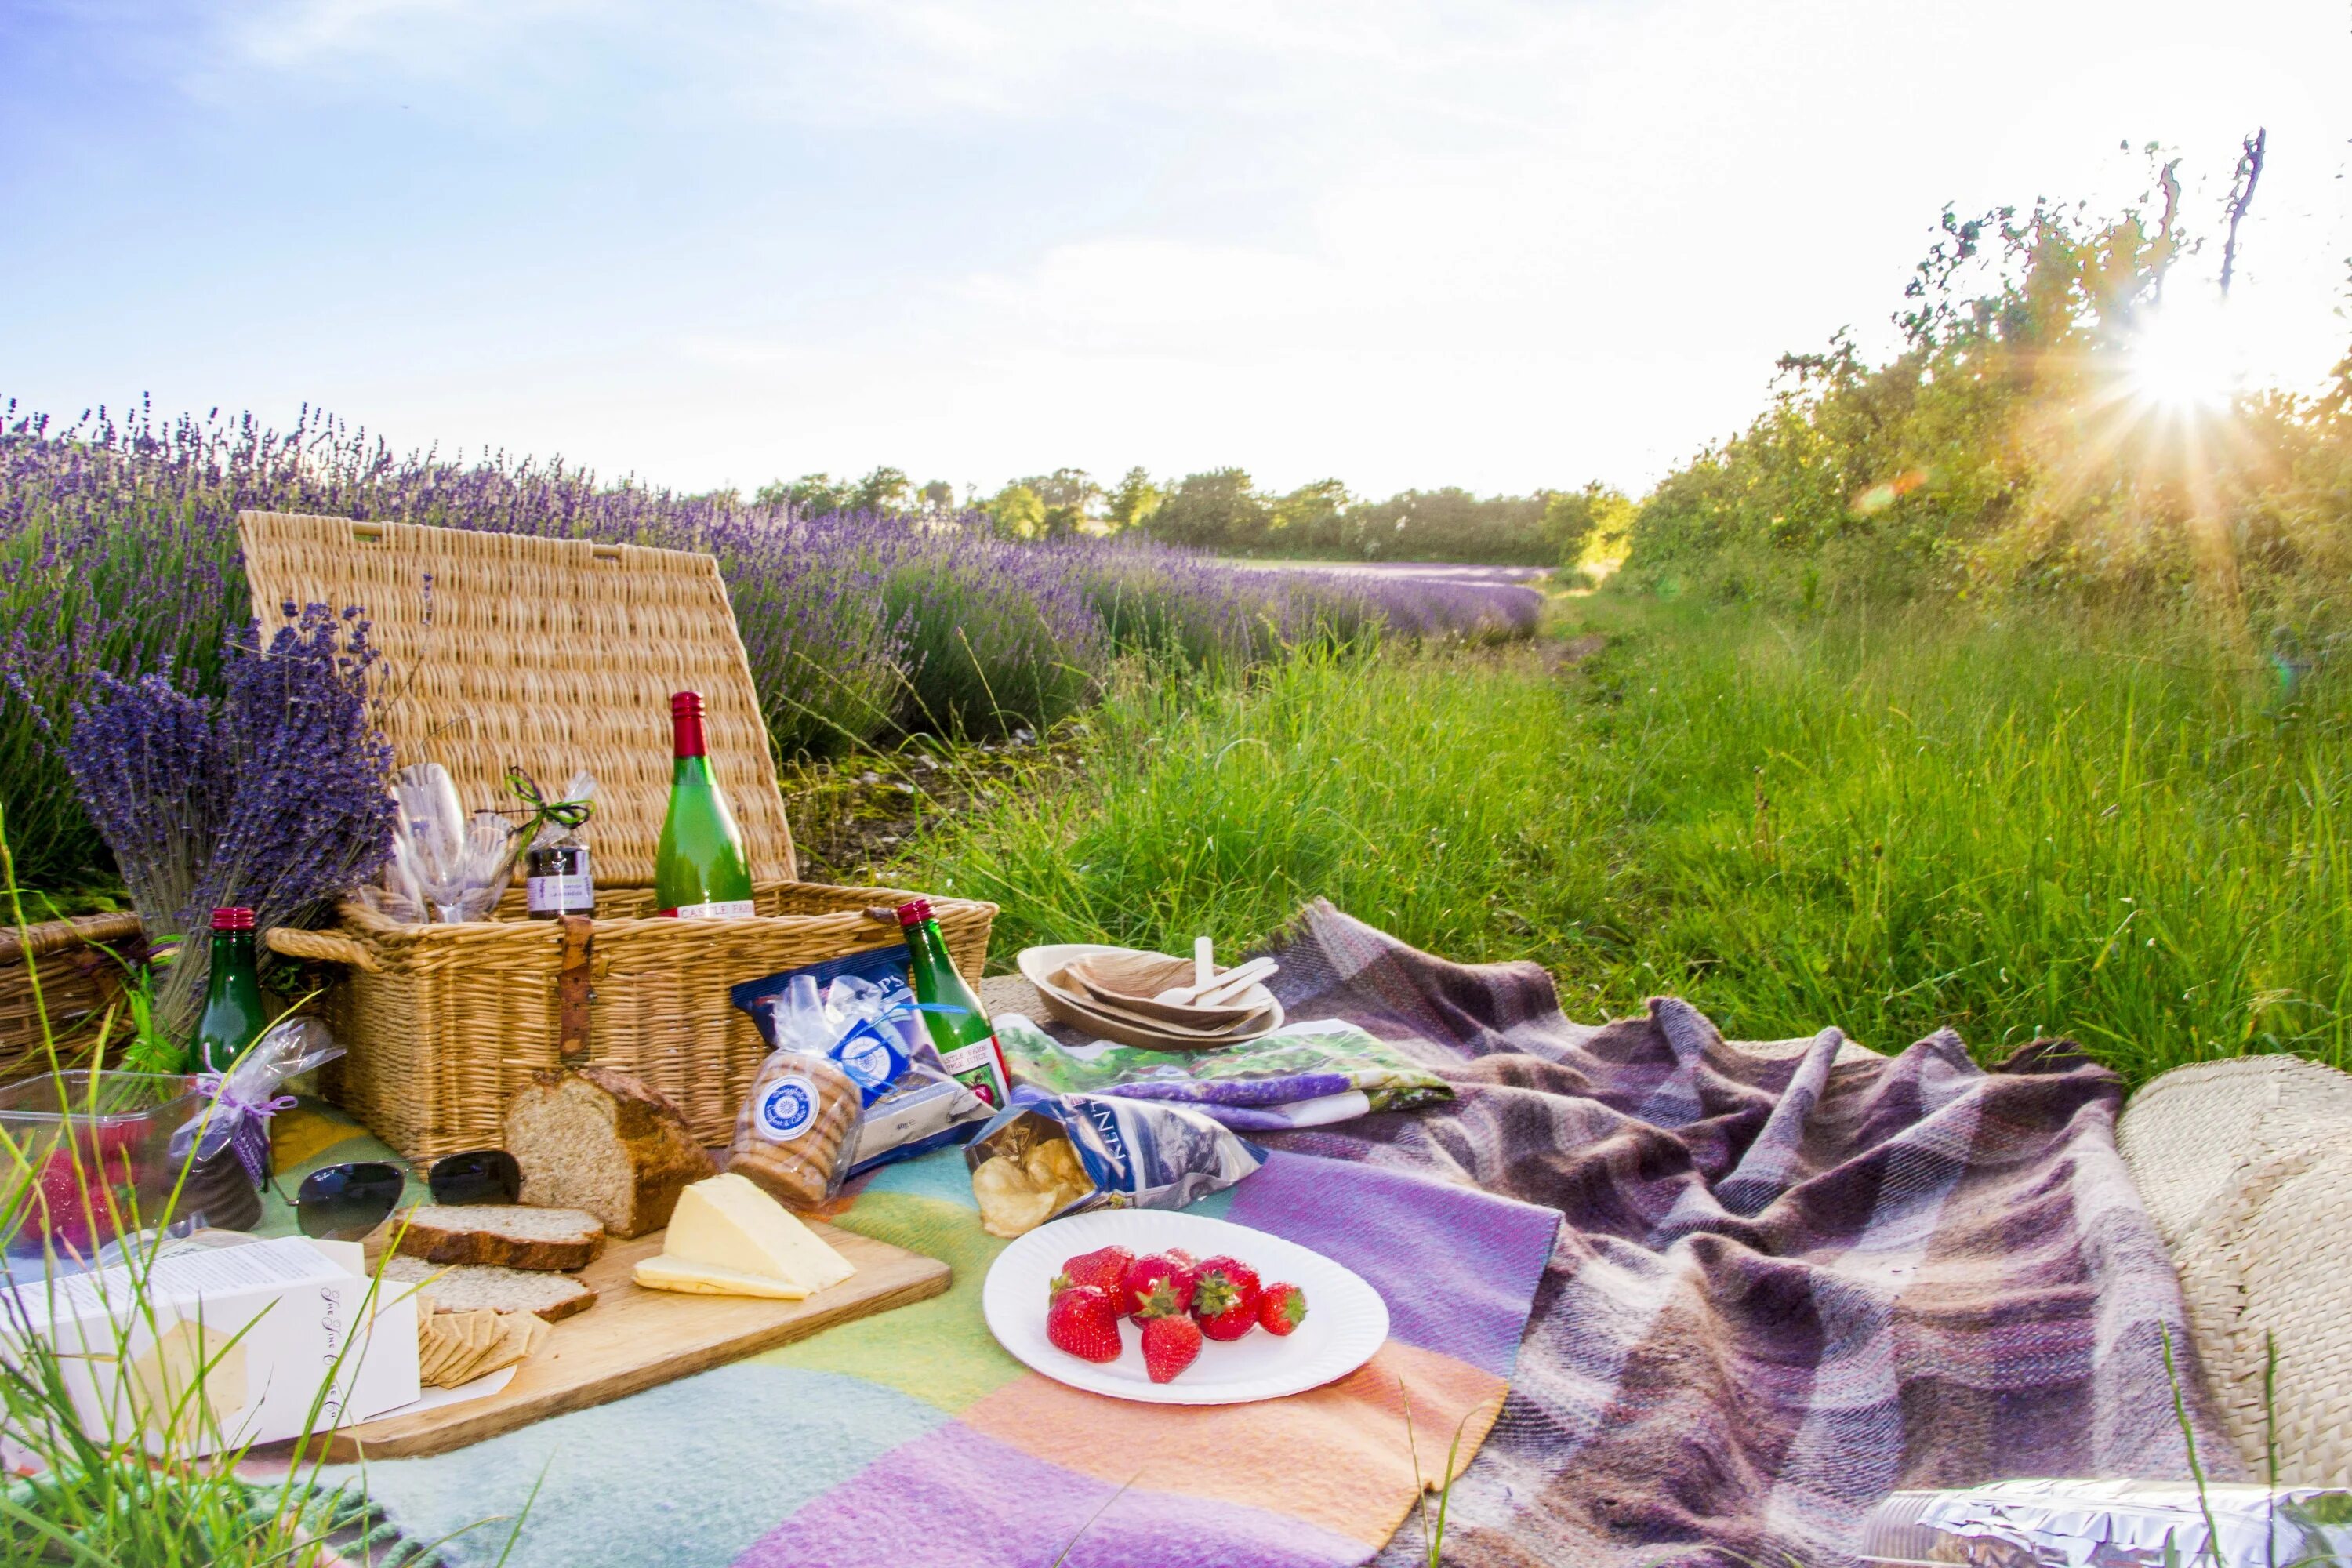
(1793, 1277)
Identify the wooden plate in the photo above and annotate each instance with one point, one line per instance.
(634, 1339)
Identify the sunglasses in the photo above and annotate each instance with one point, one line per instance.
(344, 1203)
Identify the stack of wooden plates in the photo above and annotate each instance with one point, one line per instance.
(1109, 991)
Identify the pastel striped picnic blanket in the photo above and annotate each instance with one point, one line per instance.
(1793, 1275)
(910, 1438)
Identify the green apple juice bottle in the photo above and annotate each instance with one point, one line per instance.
(959, 1029)
(233, 1017)
(699, 871)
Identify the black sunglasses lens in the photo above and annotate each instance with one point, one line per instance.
(480, 1176)
(344, 1203)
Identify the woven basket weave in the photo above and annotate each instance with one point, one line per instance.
(2246, 1168)
(77, 978)
(552, 655)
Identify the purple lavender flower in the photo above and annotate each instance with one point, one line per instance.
(119, 558)
(271, 795)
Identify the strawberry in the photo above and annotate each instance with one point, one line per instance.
(1161, 1267)
(1171, 1340)
(1281, 1308)
(1082, 1322)
(1224, 1298)
(1105, 1268)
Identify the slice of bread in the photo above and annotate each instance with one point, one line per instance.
(467, 1288)
(602, 1141)
(512, 1235)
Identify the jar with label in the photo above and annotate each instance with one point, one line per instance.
(557, 881)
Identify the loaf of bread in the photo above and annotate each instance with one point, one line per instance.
(512, 1235)
(798, 1127)
(602, 1141)
(467, 1288)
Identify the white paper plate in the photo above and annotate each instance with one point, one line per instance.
(1346, 1319)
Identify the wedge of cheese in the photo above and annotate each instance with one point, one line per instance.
(726, 1231)
(703, 1280)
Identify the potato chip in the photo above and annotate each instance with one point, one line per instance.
(1052, 1163)
(1010, 1202)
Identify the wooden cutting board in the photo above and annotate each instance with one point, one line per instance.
(634, 1339)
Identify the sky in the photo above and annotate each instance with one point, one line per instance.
(716, 242)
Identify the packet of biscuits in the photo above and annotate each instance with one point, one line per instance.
(796, 1135)
(1047, 1157)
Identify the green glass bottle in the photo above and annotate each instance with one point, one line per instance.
(965, 1039)
(699, 871)
(233, 1016)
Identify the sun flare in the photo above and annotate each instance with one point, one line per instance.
(2184, 357)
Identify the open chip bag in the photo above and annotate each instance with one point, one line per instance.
(1047, 1156)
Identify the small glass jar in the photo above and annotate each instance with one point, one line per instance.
(556, 879)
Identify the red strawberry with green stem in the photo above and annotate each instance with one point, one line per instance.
(1281, 1306)
(1081, 1320)
(1105, 1268)
(1224, 1298)
(1171, 1340)
(1146, 1274)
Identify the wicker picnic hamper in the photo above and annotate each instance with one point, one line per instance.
(554, 654)
(74, 964)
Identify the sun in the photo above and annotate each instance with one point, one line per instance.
(2184, 357)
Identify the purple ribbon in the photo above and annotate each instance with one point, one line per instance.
(250, 1135)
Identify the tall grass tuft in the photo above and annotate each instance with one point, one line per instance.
(109, 1496)
(1891, 824)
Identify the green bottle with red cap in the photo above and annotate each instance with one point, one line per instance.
(959, 1027)
(700, 871)
(234, 1016)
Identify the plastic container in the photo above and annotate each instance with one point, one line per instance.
(2109, 1524)
(100, 1167)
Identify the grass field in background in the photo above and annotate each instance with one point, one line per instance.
(2014, 827)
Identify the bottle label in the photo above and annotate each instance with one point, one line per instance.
(785, 1110)
(733, 909)
(974, 1067)
(559, 895)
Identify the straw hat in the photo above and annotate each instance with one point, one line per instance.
(2246, 1168)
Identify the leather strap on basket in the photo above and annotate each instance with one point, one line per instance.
(572, 988)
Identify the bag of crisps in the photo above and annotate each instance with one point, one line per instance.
(1047, 1156)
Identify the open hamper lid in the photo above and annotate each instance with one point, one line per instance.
(551, 655)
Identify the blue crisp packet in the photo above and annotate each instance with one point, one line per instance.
(882, 966)
(873, 1057)
(1131, 1153)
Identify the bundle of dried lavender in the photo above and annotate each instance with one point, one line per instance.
(272, 797)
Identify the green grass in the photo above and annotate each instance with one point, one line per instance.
(2015, 827)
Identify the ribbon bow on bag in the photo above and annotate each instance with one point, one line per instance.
(243, 1099)
(551, 820)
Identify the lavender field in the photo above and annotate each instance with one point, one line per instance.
(119, 556)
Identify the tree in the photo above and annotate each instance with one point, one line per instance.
(1132, 504)
(1069, 497)
(1578, 521)
(1452, 524)
(885, 492)
(1016, 511)
(938, 497)
(1219, 510)
(811, 495)
(1313, 517)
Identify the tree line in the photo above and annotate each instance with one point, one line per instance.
(1224, 512)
